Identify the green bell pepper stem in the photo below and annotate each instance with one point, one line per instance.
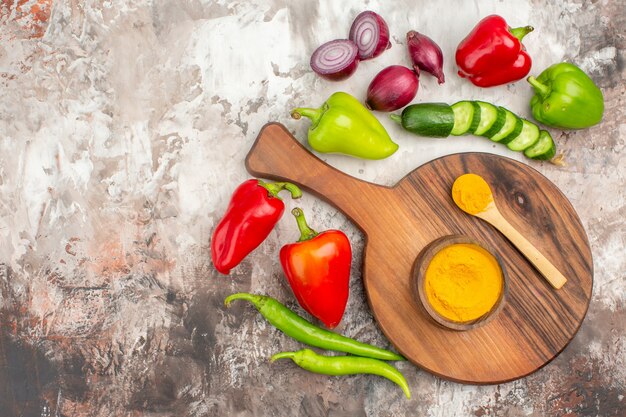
(273, 188)
(306, 233)
(520, 32)
(314, 114)
(541, 89)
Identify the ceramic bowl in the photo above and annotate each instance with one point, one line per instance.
(419, 293)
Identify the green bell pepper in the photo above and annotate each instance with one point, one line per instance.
(566, 97)
(343, 125)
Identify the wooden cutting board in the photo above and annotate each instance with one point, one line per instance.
(536, 322)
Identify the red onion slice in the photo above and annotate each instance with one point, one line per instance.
(335, 60)
(371, 34)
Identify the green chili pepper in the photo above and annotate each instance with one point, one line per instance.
(343, 125)
(566, 97)
(344, 365)
(298, 328)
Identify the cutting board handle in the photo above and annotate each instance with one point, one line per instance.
(278, 156)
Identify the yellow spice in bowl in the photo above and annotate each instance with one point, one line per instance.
(463, 282)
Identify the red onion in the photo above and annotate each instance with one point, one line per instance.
(425, 54)
(371, 34)
(392, 88)
(335, 60)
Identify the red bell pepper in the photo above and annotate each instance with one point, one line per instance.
(318, 270)
(252, 213)
(493, 54)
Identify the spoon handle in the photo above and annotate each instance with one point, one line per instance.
(543, 265)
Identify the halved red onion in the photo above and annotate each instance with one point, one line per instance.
(425, 54)
(392, 88)
(371, 34)
(335, 60)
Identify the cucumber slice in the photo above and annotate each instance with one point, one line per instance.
(488, 116)
(510, 124)
(543, 149)
(475, 118)
(463, 117)
(527, 137)
(519, 125)
(500, 120)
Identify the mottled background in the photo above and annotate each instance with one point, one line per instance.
(123, 130)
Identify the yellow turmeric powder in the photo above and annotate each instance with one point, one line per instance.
(463, 282)
(471, 193)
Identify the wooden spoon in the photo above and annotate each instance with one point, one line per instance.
(461, 195)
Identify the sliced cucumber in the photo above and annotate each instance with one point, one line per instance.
(482, 119)
(427, 119)
(488, 116)
(475, 118)
(463, 117)
(500, 120)
(519, 125)
(527, 137)
(543, 149)
(510, 124)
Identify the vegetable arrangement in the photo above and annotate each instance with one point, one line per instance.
(491, 54)
(317, 266)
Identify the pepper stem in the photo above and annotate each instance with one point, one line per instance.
(257, 300)
(273, 188)
(283, 355)
(396, 118)
(306, 233)
(541, 89)
(314, 114)
(520, 32)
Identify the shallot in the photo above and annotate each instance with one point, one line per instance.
(335, 60)
(425, 54)
(370, 33)
(392, 88)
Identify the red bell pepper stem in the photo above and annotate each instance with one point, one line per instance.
(306, 233)
(273, 188)
(520, 32)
